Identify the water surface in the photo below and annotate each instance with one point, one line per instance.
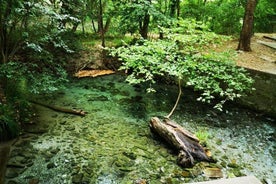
(113, 143)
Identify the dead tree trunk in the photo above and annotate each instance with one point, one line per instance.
(182, 140)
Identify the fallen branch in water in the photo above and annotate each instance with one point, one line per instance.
(61, 109)
(181, 140)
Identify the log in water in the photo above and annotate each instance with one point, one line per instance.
(182, 140)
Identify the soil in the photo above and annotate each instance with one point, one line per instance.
(261, 58)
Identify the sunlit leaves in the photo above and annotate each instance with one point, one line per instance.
(182, 56)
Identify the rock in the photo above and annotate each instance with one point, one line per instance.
(140, 181)
(34, 181)
(12, 182)
(47, 156)
(55, 151)
(213, 172)
(70, 128)
(50, 165)
(16, 160)
(233, 164)
(86, 178)
(14, 172)
(63, 122)
(267, 181)
(130, 155)
(77, 178)
(186, 174)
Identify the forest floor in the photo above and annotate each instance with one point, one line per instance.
(261, 58)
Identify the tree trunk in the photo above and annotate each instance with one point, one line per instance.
(4, 32)
(175, 8)
(100, 22)
(181, 140)
(247, 28)
(144, 26)
(93, 26)
(107, 24)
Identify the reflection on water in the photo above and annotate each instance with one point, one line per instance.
(113, 143)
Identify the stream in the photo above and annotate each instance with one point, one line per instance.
(113, 143)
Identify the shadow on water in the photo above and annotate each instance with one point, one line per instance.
(113, 143)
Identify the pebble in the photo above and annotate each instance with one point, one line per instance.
(70, 128)
(77, 178)
(14, 172)
(50, 165)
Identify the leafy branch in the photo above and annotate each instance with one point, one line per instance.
(212, 74)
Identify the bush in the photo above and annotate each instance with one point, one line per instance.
(179, 57)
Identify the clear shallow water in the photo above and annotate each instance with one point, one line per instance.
(113, 143)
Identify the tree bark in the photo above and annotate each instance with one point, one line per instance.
(144, 26)
(247, 28)
(175, 8)
(100, 22)
(181, 140)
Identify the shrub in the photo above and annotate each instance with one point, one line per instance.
(181, 57)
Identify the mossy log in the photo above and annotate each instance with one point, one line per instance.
(180, 139)
(61, 109)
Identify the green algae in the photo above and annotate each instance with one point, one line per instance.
(113, 142)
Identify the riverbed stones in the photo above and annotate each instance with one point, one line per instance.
(70, 127)
(51, 165)
(12, 182)
(111, 131)
(14, 172)
(77, 178)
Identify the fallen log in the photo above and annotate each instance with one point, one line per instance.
(92, 73)
(61, 109)
(182, 140)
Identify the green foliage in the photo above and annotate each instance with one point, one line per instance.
(37, 43)
(8, 125)
(31, 78)
(225, 17)
(15, 112)
(132, 14)
(222, 17)
(265, 16)
(203, 136)
(213, 74)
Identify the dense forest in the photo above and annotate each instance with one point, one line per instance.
(38, 37)
(165, 58)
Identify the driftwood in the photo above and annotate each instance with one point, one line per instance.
(61, 109)
(182, 140)
(92, 73)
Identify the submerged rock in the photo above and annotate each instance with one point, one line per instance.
(213, 172)
(14, 172)
(113, 143)
(51, 165)
(77, 178)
